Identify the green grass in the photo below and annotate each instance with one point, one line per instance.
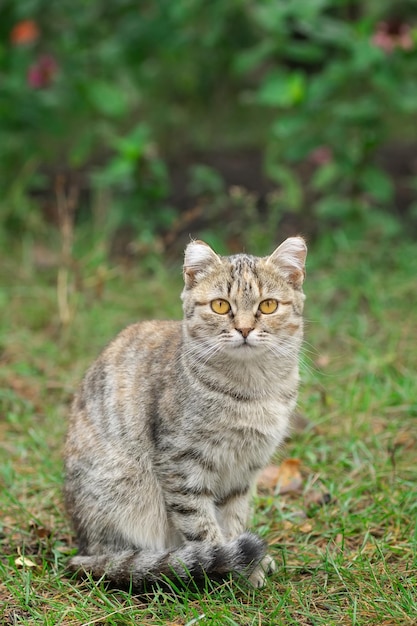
(350, 561)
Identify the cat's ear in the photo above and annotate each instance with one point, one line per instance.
(199, 257)
(290, 257)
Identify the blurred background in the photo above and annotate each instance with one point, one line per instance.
(239, 121)
(127, 127)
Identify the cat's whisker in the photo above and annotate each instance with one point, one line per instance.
(308, 348)
(202, 354)
(283, 352)
(203, 346)
(205, 357)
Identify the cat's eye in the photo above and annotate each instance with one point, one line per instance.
(268, 306)
(220, 306)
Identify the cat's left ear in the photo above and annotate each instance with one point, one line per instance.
(290, 257)
(199, 257)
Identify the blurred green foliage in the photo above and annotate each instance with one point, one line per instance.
(119, 90)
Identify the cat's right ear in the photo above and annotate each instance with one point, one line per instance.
(197, 260)
(290, 257)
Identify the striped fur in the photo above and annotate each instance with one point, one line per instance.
(173, 422)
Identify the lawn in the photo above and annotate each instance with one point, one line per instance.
(345, 540)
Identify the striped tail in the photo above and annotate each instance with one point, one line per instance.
(193, 560)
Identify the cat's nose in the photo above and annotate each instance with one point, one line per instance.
(244, 331)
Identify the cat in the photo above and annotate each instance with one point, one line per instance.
(175, 420)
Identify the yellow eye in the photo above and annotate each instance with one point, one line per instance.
(268, 306)
(220, 306)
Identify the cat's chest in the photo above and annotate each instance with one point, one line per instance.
(241, 435)
(238, 448)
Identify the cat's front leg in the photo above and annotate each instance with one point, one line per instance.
(266, 566)
(195, 518)
(234, 512)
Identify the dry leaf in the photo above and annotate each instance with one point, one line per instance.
(23, 561)
(39, 531)
(285, 478)
(323, 360)
(317, 497)
(306, 528)
(287, 525)
(379, 426)
(404, 439)
(268, 479)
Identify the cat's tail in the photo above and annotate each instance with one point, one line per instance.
(193, 560)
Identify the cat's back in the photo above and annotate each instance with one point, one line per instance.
(139, 342)
(139, 359)
(137, 349)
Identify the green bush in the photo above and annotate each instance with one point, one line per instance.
(117, 90)
(353, 92)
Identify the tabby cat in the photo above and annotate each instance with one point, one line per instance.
(174, 421)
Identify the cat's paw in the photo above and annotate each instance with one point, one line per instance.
(266, 566)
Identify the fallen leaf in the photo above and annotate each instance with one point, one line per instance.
(287, 525)
(268, 479)
(404, 439)
(39, 531)
(323, 360)
(281, 479)
(306, 528)
(23, 561)
(317, 497)
(65, 549)
(379, 426)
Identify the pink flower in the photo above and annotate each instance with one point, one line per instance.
(42, 72)
(389, 36)
(321, 155)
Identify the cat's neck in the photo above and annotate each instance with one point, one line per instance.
(252, 375)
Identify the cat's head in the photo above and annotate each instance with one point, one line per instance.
(244, 304)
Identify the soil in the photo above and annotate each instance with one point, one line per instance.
(238, 168)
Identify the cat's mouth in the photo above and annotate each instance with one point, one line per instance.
(244, 344)
(237, 342)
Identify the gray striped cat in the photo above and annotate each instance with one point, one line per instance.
(175, 420)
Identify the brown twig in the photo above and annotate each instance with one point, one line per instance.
(66, 204)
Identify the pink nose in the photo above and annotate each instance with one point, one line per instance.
(244, 331)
